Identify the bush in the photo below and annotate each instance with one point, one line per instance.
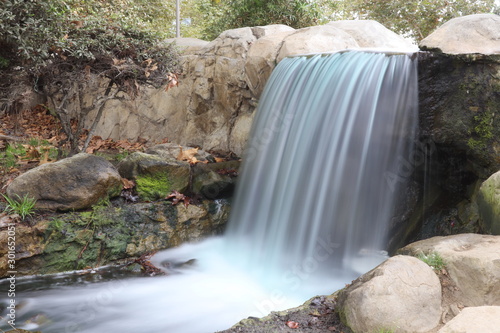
(35, 32)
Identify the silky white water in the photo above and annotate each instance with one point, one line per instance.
(312, 209)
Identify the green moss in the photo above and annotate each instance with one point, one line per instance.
(482, 132)
(153, 187)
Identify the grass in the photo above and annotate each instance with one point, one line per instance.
(9, 157)
(433, 259)
(24, 206)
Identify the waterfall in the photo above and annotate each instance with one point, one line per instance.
(317, 188)
(314, 202)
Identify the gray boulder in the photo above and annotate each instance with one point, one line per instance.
(317, 39)
(188, 45)
(76, 182)
(472, 262)
(488, 201)
(474, 319)
(403, 294)
(373, 35)
(479, 33)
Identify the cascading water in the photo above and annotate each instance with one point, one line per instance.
(312, 208)
(317, 189)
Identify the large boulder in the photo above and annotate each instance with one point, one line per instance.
(403, 294)
(488, 202)
(474, 319)
(318, 39)
(261, 59)
(373, 35)
(479, 33)
(76, 182)
(472, 262)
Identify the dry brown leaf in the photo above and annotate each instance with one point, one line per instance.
(118, 62)
(187, 155)
(173, 81)
(45, 157)
(127, 184)
(77, 24)
(218, 160)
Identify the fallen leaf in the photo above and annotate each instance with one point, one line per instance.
(127, 184)
(77, 24)
(187, 155)
(173, 81)
(178, 197)
(118, 62)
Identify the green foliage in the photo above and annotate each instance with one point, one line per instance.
(34, 32)
(433, 259)
(24, 206)
(247, 13)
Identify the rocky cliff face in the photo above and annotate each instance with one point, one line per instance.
(221, 82)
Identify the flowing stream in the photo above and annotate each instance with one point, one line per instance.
(314, 202)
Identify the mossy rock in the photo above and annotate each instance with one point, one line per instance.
(488, 201)
(459, 107)
(155, 176)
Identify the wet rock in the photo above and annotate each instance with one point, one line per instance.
(104, 235)
(76, 182)
(479, 33)
(402, 294)
(474, 319)
(459, 101)
(489, 204)
(215, 180)
(472, 262)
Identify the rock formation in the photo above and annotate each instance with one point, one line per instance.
(478, 33)
(71, 183)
